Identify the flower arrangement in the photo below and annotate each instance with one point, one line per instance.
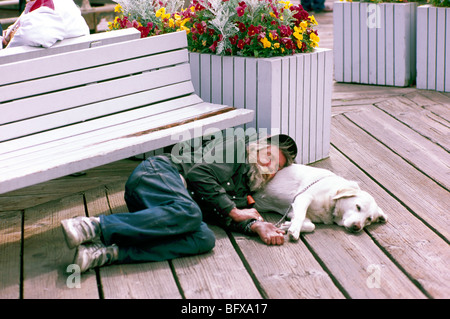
(258, 28)
(440, 3)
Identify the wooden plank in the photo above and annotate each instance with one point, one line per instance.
(381, 46)
(356, 29)
(205, 77)
(440, 50)
(420, 152)
(66, 62)
(45, 122)
(28, 143)
(361, 268)
(88, 94)
(364, 42)
(194, 62)
(447, 53)
(320, 108)
(115, 149)
(292, 86)
(312, 128)
(93, 40)
(338, 39)
(284, 92)
(328, 91)
(216, 73)
(431, 63)
(306, 110)
(413, 246)
(46, 256)
(422, 50)
(301, 77)
(286, 272)
(96, 73)
(219, 274)
(421, 120)
(123, 129)
(228, 80)
(251, 90)
(348, 41)
(10, 254)
(390, 53)
(400, 48)
(153, 280)
(393, 174)
(373, 11)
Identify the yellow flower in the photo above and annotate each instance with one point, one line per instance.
(161, 12)
(183, 28)
(298, 33)
(303, 25)
(266, 43)
(313, 20)
(118, 8)
(314, 37)
(287, 4)
(276, 45)
(171, 23)
(272, 37)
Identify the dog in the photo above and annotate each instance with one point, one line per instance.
(314, 195)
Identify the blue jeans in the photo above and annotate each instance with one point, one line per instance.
(164, 221)
(313, 5)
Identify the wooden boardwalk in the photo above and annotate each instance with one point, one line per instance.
(394, 141)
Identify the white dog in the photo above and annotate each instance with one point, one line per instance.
(315, 195)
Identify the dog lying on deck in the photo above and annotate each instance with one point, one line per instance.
(316, 195)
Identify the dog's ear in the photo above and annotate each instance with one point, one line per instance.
(346, 192)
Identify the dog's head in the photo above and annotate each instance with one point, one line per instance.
(356, 209)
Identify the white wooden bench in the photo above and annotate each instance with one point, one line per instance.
(72, 111)
(21, 53)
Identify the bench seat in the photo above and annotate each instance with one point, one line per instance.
(86, 108)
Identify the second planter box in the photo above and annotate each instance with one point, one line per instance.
(375, 43)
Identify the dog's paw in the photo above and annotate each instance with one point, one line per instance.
(294, 232)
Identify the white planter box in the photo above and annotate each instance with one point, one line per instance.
(433, 48)
(290, 95)
(375, 43)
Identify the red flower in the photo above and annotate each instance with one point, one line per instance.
(233, 40)
(201, 27)
(213, 46)
(252, 30)
(285, 31)
(242, 4)
(240, 11)
(240, 44)
(242, 27)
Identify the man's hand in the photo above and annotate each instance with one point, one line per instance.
(239, 215)
(268, 233)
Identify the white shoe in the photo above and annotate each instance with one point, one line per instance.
(95, 255)
(80, 230)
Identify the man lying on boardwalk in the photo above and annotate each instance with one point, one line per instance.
(167, 219)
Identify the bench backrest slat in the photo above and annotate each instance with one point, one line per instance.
(32, 143)
(90, 75)
(82, 95)
(76, 60)
(22, 53)
(92, 111)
